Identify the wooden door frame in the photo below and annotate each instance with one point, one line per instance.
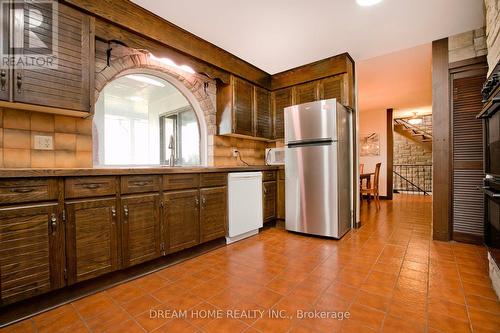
(390, 153)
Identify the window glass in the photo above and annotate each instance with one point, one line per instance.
(141, 119)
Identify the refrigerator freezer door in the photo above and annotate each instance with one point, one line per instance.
(311, 187)
(310, 122)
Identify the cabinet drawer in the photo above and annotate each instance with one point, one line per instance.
(27, 190)
(89, 187)
(181, 181)
(268, 176)
(213, 179)
(140, 184)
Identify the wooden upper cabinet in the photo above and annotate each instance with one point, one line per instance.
(306, 92)
(213, 213)
(243, 120)
(68, 84)
(140, 229)
(280, 99)
(91, 238)
(31, 251)
(335, 87)
(182, 220)
(263, 118)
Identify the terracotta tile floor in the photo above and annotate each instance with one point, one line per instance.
(389, 275)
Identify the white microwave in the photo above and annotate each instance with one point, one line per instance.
(275, 156)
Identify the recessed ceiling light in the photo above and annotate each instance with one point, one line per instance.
(367, 3)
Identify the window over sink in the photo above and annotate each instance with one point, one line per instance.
(143, 119)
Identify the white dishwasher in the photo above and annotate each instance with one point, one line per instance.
(245, 205)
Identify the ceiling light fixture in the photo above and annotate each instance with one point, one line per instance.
(367, 3)
(145, 79)
(170, 62)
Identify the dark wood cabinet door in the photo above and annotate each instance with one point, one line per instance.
(182, 219)
(213, 213)
(243, 118)
(335, 87)
(67, 84)
(140, 228)
(269, 197)
(280, 196)
(263, 113)
(306, 92)
(280, 100)
(31, 251)
(91, 240)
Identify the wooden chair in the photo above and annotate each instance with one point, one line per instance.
(372, 187)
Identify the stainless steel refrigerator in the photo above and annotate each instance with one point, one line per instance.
(318, 168)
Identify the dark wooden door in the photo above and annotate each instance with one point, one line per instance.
(182, 219)
(269, 197)
(67, 84)
(335, 87)
(91, 240)
(243, 117)
(280, 100)
(263, 113)
(467, 150)
(306, 92)
(31, 251)
(140, 228)
(213, 213)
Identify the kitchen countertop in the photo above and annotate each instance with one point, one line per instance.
(128, 170)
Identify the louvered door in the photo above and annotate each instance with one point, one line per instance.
(140, 228)
(91, 239)
(280, 100)
(334, 87)
(467, 148)
(182, 219)
(213, 213)
(263, 113)
(306, 92)
(243, 117)
(31, 251)
(67, 85)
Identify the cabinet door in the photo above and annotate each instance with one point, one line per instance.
(306, 92)
(181, 216)
(213, 213)
(140, 229)
(269, 197)
(91, 239)
(280, 100)
(263, 113)
(335, 87)
(242, 107)
(67, 84)
(31, 251)
(280, 197)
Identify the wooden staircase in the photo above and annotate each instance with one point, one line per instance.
(415, 133)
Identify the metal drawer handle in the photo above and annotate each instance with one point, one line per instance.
(53, 223)
(22, 190)
(91, 186)
(140, 183)
(19, 82)
(3, 79)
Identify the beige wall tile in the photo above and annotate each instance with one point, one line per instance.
(84, 159)
(83, 142)
(16, 119)
(65, 141)
(43, 159)
(16, 158)
(42, 122)
(14, 138)
(84, 126)
(65, 124)
(65, 159)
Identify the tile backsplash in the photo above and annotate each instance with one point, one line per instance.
(71, 138)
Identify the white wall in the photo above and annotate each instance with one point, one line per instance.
(375, 121)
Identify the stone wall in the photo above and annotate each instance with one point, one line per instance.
(467, 45)
(492, 32)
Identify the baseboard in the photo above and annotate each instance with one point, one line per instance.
(467, 238)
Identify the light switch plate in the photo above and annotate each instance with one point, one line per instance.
(43, 142)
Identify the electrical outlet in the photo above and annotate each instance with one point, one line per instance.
(235, 151)
(43, 142)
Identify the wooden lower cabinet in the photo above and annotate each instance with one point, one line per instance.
(91, 239)
(280, 197)
(141, 235)
(31, 251)
(269, 198)
(213, 213)
(182, 219)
